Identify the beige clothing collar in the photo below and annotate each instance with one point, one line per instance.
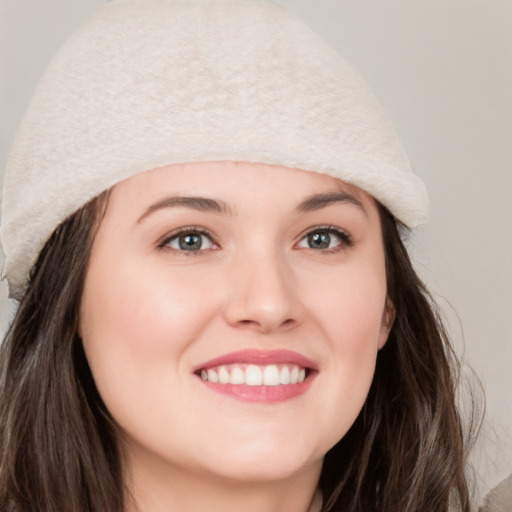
(316, 504)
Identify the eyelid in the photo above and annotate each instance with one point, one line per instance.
(345, 237)
(163, 242)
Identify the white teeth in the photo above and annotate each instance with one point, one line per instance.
(223, 375)
(284, 377)
(237, 376)
(271, 375)
(254, 375)
(294, 375)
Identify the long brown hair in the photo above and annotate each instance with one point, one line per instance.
(407, 449)
(405, 452)
(58, 450)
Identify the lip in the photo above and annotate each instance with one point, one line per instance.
(261, 394)
(259, 357)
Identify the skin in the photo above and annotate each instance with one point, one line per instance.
(152, 312)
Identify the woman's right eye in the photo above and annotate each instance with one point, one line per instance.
(189, 241)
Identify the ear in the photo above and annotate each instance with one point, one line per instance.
(388, 318)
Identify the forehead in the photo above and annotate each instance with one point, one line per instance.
(234, 181)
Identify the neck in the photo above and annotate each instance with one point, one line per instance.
(171, 489)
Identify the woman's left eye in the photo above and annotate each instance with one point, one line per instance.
(325, 239)
(190, 241)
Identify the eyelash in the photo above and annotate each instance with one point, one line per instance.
(191, 230)
(345, 239)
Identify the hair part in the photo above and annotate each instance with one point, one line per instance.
(405, 452)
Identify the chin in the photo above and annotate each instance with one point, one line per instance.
(271, 470)
(260, 461)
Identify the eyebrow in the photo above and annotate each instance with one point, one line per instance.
(202, 204)
(318, 201)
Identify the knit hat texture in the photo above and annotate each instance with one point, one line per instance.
(147, 83)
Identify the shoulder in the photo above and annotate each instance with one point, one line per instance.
(500, 498)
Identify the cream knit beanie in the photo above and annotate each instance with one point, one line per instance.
(146, 83)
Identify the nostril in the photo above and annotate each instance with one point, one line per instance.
(266, 326)
(246, 322)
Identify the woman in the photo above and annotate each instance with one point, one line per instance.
(201, 220)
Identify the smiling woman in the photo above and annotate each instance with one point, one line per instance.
(217, 312)
(249, 302)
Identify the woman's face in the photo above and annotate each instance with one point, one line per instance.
(232, 315)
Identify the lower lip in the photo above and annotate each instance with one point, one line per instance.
(269, 394)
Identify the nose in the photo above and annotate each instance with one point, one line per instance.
(263, 295)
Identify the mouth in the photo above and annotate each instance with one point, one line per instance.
(259, 375)
(255, 375)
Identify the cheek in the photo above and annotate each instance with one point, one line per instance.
(135, 328)
(140, 311)
(351, 309)
(350, 315)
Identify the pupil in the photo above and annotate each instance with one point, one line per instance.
(188, 242)
(319, 240)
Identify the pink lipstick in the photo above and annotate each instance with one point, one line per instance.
(262, 376)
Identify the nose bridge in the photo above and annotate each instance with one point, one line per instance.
(263, 292)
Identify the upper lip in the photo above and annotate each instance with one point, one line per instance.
(259, 357)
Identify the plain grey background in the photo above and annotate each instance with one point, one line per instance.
(443, 70)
